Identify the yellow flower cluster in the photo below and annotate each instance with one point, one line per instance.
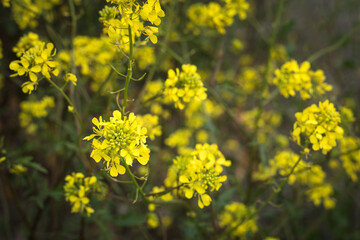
(310, 175)
(151, 123)
(234, 219)
(216, 16)
(131, 13)
(196, 113)
(93, 56)
(320, 125)
(199, 170)
(292, 78)
(180, 138)
(351, 157)
(78, 190)
(119, 141)
(184, 87)
(35, 58)
(34, 109)
(26, 12)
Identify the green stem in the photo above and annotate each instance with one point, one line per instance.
(262, 100)
(139, 189)
(129, 71)
(335, 46)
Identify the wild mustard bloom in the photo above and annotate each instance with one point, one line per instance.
(26, 13)
(234, 218)
(292, 78)
(78, 190)
(307, 174)
(184, 87)
(93, 56)
(31, 110)
(133, 14)
(350, 159)
(69, 77)
(199, 170)
(180, 138)
(320, 125)
(151, 123)
(118, 141)
(214, 15)
(36, 60)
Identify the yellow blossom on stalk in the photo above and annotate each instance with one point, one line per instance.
(211, 15)
(6, 3)
(307, 174)
(34, 109)
(36, 60)
(320, 125)
(71, 77)
(78, 190)
(118, 141)
(92, 56)
(234, 218)
(199, 170)
(151, 123)
(321, 194)
(184, 87)
(292, 78)
(214, 15)
(26, 12)
(237, 7)
(18, 169)
(131, 13)
(350, 158)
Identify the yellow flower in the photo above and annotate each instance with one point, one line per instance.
(119, 141)
(18, 169)
(78, 190)
(320, 125)
(71, 77)
(292, 78)
(234, 218)
(183, 87)
(199, 170)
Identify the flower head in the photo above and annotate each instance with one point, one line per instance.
(320, 125)
(118, 142)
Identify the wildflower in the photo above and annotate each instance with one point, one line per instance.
(292, 78)
(199, 170)
(320, 125)
(78, 190)
(307, 174)
(151, 123)
(71, 77)
(179, 138)
(31, 110)
(235, 219)
(119, 141)
(33, 61)
(351, 159)
(184, 87)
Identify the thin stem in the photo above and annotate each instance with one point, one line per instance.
(139, 189)
(262, 100)
(129, 71)
(334, 46)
